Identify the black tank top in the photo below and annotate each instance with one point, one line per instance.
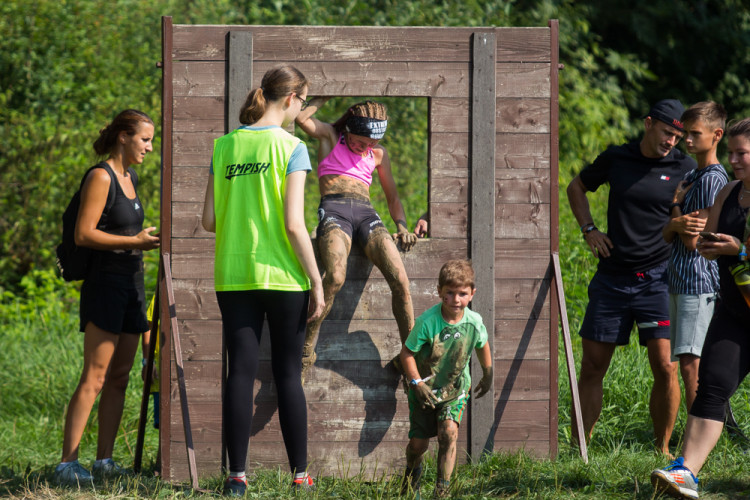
(732, 221)
(124, 218)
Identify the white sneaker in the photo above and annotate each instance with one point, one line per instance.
(108, 468)
(676, 480)
(73, 474)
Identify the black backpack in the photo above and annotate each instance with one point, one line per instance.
(72, 260)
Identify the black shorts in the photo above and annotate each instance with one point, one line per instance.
(113, 308)
(353, 215)
(617, 302)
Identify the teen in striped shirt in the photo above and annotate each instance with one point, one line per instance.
(693, 280)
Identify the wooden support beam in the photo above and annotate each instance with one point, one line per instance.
(482, 224)
(239, 75)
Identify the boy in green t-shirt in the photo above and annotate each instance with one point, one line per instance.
(436, 359)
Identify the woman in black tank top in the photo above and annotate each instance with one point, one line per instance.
(725, 360)
(112, 295)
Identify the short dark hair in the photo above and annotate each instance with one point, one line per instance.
(457, 272)
(711, 113)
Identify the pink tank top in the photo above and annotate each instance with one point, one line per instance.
(342, 161)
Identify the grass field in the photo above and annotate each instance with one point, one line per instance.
(40, 361)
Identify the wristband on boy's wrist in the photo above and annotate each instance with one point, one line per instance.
(673, 205)
(415, 381)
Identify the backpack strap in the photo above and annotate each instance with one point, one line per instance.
(112, 186)
(112, 189)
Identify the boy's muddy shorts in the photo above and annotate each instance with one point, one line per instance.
(423, 423)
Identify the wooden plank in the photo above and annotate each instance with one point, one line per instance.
(522, 80)
(512, 220)
(186, 221)
(482, 249)
(346, 43)
(337, 459)
(371, 300)
(195, 133)
(555, 219)
(521, 339)
(359, 421)
(515, 220)
(165, 223)
(449, 220)
(399, 79)
(194, 258)
(514, 115)
(522, 299)
(194, 149)
(511, 186)
(357, 300)
(522, 151)
(449, 153)
(375, 78)
(366, 340)
(240, 75)
(520, 258)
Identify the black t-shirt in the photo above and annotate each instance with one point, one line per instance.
(640, 192)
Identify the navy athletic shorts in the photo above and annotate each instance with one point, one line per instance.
(352, 214)
(617, 302)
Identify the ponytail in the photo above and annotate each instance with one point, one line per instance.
(277, 83)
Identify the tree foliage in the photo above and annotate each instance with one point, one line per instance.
(67, 67)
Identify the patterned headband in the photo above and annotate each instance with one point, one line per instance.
(366, 127)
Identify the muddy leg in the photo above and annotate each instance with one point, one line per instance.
(382, 251)
(333, 247)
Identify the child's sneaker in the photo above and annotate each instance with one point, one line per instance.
(73, 474)
(412, 479)
(303, 483)
(676, 480)
(234, 487)
(108, 468)
(441, 489)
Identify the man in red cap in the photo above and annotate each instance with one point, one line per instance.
(629, 287)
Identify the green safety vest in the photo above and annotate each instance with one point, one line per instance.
(252, 248)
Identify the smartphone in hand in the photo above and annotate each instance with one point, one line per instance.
(709, 236)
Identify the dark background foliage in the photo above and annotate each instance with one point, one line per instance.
(67, 67)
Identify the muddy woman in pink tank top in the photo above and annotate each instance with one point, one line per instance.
(348, 154)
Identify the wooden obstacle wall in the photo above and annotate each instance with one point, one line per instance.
(492, 197)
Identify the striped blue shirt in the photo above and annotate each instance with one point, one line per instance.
(688, 273)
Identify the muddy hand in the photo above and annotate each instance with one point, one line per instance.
(407, 239)
(484, 385)
(425, 396)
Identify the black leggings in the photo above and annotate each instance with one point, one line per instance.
(725, 362)
(242, 314)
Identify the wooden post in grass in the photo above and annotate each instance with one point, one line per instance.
(569, 357)
(148, 379)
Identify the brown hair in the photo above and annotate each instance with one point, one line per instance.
(711, 113)
(456, 272)
(277, 83)
(741, 127)
(367, 109)
(126, 121)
